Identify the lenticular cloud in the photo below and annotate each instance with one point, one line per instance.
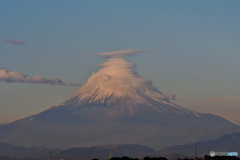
(122, 53)
(13, 76)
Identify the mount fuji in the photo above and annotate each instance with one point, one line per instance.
(116, 106)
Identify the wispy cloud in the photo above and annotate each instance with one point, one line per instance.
(122, 53)
(13, 76)
(14, 41)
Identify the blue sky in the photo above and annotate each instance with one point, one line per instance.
(194, 49)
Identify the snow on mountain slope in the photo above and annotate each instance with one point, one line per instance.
(117, 85)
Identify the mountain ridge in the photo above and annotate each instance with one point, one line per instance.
(225, 143)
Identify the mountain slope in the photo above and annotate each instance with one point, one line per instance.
(116, 106)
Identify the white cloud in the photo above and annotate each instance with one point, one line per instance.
(13, 76)
(13, 41)
(122, 53)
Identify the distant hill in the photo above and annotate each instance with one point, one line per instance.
(10, 150)
(103, 152)
(226, 143)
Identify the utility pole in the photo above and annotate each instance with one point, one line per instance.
(195, 151)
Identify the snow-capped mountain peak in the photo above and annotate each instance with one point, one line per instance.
(117, 90)
(117, 81)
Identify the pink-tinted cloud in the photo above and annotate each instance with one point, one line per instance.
(14, 41)
(118, 77)
(13, 76)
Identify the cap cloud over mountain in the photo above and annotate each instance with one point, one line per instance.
(117, 79)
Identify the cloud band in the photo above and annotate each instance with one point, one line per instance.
(13, 41)
(13, 76)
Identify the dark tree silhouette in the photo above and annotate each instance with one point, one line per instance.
(207, 157)
(123, 158)
(155, 158)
